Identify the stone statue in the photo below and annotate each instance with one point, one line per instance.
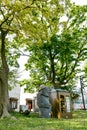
(43, 102)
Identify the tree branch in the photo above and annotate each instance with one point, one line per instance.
(29, 6)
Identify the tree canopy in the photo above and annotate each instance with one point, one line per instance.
(58, 46)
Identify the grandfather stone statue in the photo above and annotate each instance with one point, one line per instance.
(43, 102)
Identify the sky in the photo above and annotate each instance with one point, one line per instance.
(23, 74)
(80, 2)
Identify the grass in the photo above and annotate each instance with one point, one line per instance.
(33, 122)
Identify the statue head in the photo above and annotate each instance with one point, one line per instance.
(42, 87)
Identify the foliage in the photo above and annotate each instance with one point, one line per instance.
(11, 25)
(13, 79)
(58, 47)
(85, 71)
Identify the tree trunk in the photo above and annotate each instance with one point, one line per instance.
(4, 100)
(52, 74)
(1, 110)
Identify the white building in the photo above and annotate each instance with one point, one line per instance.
(14, 98)
(19, 99)
(78, 103)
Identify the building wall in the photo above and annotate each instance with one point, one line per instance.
(78, 103)
(22, 97)
(15, 94)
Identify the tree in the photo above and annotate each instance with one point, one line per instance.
(11, 13)
(55, 55)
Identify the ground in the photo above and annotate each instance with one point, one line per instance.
(33, 122)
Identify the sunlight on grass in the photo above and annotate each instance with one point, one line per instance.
(33, 122)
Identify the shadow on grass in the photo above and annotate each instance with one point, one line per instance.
(33, 122)
(80, 114)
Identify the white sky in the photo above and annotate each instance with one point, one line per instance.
(24, 74)
(80, 2)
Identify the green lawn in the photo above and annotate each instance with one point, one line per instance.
(21, 122)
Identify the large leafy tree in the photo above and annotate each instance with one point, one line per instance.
(59, 45)
(11, 24)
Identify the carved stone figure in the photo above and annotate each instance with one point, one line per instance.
(43, 102)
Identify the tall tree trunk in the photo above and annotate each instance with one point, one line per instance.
(52, 75)
(4, 100)
(1, 107)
